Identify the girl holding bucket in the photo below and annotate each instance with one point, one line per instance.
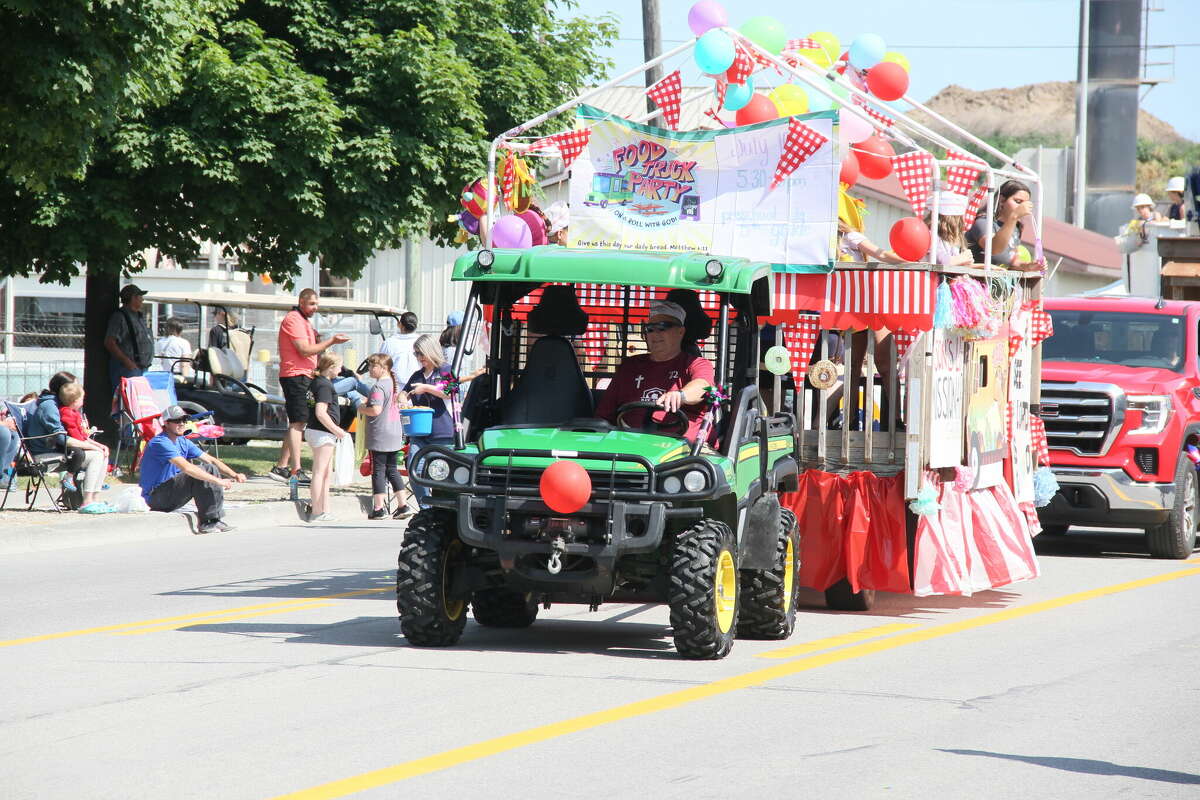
(427, 417)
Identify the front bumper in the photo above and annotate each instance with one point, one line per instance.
(1106, 498)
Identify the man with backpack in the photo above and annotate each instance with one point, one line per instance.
(128, 340)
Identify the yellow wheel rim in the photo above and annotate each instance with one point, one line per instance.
(454, 609)
(789, 575)
(725, 582)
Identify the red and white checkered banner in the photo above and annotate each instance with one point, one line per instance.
(915, 173)
(974, 204)
(801, 142)
(878, 116)
(904, 340)
(594, 340)
(569, 144)
(1037, 435)
(800, 339)
(667, 95)
(893, 299)
(1014, 344)
(960, 179)
(801, 44)
(609, 300)
(1041, 327)
(721, 88)
(743, 65)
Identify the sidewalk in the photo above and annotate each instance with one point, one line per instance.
(258, 502)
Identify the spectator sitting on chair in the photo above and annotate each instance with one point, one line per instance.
(46, 419)
(128, 340)
(94, 454)
(169, 476)
(172, 347)
(10, 443)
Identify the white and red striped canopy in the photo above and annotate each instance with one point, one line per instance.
(856, 299)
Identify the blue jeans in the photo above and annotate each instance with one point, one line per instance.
(415, 445)
(10, 442)
(352, 388)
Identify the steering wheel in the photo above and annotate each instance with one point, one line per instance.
(676, 422)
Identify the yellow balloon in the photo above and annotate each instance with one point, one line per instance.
(897, 58)
(789, 99)
(831, 48)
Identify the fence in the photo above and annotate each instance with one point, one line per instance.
(18, 378)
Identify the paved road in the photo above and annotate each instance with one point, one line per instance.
(262, 663)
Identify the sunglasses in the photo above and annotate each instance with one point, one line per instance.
(658, 327)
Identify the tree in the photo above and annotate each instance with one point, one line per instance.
(326, 128)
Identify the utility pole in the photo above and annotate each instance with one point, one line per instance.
(1081, 112)
(651, 45)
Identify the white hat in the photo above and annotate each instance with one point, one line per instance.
(950, 204)
(666, 308)
(1176, 184)
(1142, 199)
(558, 216)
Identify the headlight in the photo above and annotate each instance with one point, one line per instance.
(1156, 410)
(694, 480)
(671, 484)
(462, 475)
(437, 470)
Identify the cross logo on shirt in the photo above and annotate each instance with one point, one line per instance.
(638, 381)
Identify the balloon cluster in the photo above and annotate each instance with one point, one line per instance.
(516, 231)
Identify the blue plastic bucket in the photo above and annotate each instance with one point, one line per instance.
(418, 421)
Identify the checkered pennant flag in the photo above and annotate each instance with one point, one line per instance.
(915, 171)
(1014, 344)
(801, 44)
(569, 144)
(1041, 327)
(974, 204)
(594, 342)
(904, 340)
(960, 179)
(721, 87)
(878, 116)
(666, 94)
(743, 65)
(1037, 434)
(801, 142)
(800, 340)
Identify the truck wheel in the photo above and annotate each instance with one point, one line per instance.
(429, 558)
(768, 596)
(1175, 537)
(704, 588)
(503, 608)
(840, 598)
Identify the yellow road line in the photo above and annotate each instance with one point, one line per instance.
(123, 625)
(838, 641)
(222, 618)
(512, 741)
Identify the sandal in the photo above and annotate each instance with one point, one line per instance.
(97, 507)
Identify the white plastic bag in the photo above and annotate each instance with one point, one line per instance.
(131, 501)
(343, 462)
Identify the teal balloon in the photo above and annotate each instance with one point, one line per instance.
(714, 52)
(867, 50)
(819, 102)
(737, 96)
(766, 32)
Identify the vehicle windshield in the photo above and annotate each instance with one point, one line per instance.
(1114, 337)
(600, 182)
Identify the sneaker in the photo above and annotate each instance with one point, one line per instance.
(97, 508)
(214, 526)
(378, 513)
(303, 478)
(281, 474)
(68, 482)
(326, 517)
(403, 512)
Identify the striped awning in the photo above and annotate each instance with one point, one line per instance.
(858, 298)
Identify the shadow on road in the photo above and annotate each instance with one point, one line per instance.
(887, 604)
(1092, 543)
(321, 583)
(1087, 766)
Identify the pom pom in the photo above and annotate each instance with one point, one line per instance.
(943, 314)
(1045, 486)
(964, 479)
(974, 312)
(925, 503)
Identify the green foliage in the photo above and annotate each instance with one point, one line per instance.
(326, 128)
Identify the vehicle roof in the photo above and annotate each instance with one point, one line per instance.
(269, 302)
(1132, 305)
(555, 264)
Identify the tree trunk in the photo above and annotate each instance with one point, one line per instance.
(100, 301)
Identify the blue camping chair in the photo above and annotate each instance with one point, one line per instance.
(38, 466)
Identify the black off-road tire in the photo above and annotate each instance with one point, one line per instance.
(767, 597)
(424, 573)
(840, 598)
(503, 608)
(703, 590)
(1176, 537)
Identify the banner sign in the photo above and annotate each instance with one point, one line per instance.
(641, 188)
(947, 386)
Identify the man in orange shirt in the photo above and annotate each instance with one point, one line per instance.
(298, 351)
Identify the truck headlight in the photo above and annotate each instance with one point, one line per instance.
(462, 475)
(437, 470)
(671, 484)
(1156, 410)
(694, 480)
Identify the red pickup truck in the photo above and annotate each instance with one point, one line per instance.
(1121, 403)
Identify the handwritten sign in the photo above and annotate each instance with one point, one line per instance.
(946, 401)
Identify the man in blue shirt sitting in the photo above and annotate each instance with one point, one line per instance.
(169, 478)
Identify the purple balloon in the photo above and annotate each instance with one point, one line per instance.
(706, 15)
(511, 232)
(469, 222)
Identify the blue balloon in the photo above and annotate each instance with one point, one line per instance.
(714, 52)
(737, 96)
(867, 50)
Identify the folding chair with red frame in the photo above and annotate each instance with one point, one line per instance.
(139, 409)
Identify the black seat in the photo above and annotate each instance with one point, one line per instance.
(552, 388)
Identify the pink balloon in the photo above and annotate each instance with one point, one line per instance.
(706, 15)
(854, 128)
(537, 226)
(511, 232)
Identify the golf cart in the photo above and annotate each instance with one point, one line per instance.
(696, 525)
(219, 381)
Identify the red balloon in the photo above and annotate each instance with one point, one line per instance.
(565, 486)
(910, 239)
(849, 173)
(874, 157)
(759, 109)
(887, 80)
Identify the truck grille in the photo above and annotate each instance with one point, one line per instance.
(1082, 417)
(528, 477)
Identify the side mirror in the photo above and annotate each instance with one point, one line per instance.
(374, 326)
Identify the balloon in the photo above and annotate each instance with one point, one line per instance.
(511, 231)
(887, 80)
(819, 102)
(853, 127)
(849, 172)
(910, 239)
(736, 96)
(874, 157)
(830, 47)
(867, 50)
(565, 486)
(714, 52)
(766, 32)
(706, 15)
(469, 222)
(897, 58)
(789, 99)
(537, 226)
(474, 198)
(759, 109)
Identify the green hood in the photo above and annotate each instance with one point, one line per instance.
(575, 444)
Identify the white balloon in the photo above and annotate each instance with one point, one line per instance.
(854, 129)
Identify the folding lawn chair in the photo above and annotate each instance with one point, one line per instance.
(36, 467)
(140, 403)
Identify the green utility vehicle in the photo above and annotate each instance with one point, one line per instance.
(695, 525)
